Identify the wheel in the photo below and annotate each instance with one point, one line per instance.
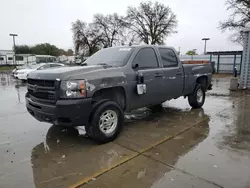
(197, 98)
(106, 122)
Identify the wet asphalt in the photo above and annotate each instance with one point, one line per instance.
(171, 147)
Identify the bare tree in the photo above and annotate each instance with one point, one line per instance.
(238, 19)
(86, 37)
(129, 38)
(111, 27)
(152, 23)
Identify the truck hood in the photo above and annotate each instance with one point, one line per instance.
(63, 73)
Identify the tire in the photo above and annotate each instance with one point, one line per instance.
(106, 130)
(197, 98)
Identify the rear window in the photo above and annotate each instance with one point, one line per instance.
(55, 65)
(111, 56)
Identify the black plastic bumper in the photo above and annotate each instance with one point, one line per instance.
(64, 112)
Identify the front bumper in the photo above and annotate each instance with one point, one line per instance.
(21, 76)
(64, 112)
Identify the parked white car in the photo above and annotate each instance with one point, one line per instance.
(23, 73)
(24, 66)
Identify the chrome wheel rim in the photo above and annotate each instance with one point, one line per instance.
(108, 121)
(200, 96)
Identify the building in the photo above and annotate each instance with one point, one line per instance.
(7, 57)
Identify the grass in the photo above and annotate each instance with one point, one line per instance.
(6, 68)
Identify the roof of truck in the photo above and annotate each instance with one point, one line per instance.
(142, 46)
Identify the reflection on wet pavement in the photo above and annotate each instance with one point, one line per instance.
(12, 95)
(174, 147)
(67, 156)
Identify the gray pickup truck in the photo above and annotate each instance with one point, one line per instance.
(110, 82)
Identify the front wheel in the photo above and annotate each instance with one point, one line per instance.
(106, 122)
(197, 98)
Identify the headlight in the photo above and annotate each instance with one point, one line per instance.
(73, 89)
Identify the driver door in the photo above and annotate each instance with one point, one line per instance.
(147, 65)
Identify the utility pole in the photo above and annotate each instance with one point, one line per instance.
(14, 46)
(205, 48)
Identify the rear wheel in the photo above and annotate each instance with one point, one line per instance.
(197, 98)
(106, 122)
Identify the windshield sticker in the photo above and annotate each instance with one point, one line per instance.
(125, 49)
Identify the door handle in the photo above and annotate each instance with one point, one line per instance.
(178, 73)
(158, 75)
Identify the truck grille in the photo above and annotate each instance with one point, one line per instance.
(43, 83)
(42, 95)
(43, 91)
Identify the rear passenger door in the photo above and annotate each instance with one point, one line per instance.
(173, 73)
(147, 64)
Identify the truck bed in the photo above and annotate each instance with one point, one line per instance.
(194, 71)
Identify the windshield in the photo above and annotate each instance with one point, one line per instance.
(24, 66)
(110, 56)
(27, 65)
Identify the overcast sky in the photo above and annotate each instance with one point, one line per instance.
(39, 21)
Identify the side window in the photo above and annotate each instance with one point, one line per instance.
(43, 67)
(146, 58)
(55, 65)
(10, 58)
(168, 57)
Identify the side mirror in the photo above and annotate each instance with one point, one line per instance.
(135, 66)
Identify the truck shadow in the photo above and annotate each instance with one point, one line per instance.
(67, 155)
